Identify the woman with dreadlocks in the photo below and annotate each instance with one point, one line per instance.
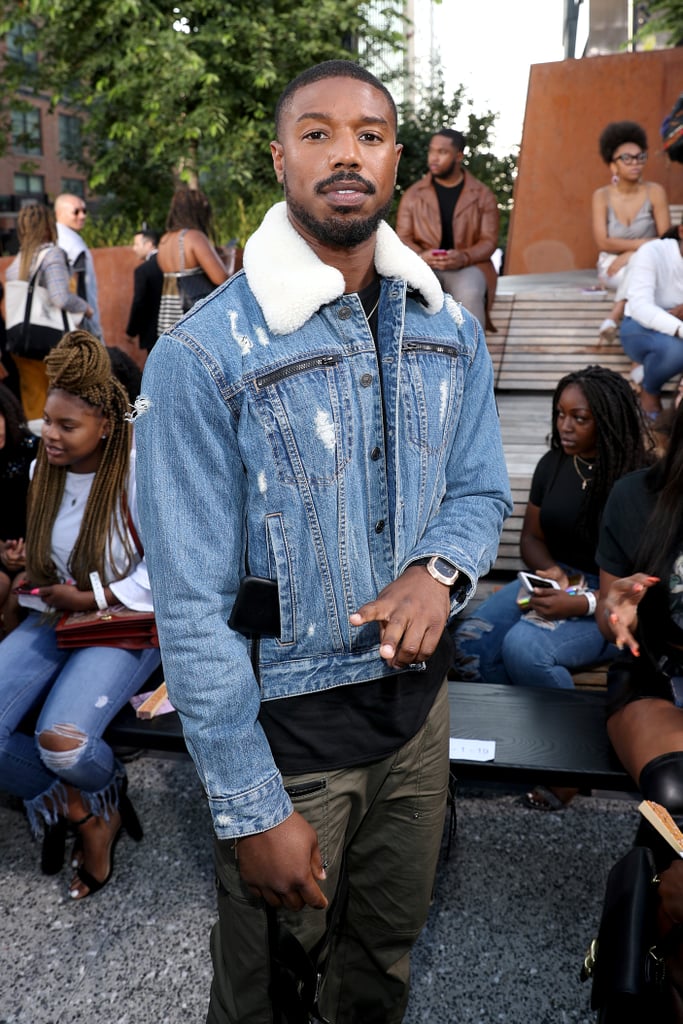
(39, 252)
(82, 516)
(539, 639)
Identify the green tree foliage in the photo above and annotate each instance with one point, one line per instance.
(185, 89)
(434, 110)
(666, 16)
(180, 88)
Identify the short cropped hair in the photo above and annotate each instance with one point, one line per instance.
(150, 235)
(616, 134)
(457, 138)
(329, 69)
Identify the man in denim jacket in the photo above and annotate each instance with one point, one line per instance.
(324, 420)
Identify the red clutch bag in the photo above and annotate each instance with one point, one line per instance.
(118, 626)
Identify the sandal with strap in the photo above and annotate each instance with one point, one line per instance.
(130, 823)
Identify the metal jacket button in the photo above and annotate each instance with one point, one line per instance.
(379, 526)
(344, 312)
(366, 380)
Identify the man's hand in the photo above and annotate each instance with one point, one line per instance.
(284, 865)
(412, 613)
(450, 260)
(621, 607)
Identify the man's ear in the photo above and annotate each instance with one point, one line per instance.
(278, 154)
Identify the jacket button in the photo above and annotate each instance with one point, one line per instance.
(344, 312)
(366, 380)
(375, 454)
(379, 526)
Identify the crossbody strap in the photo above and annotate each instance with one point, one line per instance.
(29, 297)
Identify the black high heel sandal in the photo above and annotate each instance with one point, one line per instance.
(53, 846)
(130, 823)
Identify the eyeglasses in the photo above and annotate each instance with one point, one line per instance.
(79, 209)
(632, 158)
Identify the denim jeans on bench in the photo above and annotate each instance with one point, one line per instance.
(81, 691)
(497, 645)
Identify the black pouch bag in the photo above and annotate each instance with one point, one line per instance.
(625, 963)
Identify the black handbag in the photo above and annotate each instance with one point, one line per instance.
(193, 285)
(626, 962)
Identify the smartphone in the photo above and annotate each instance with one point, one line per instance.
(439, 252)
(529, 581)
(256, 611)
(26, 588)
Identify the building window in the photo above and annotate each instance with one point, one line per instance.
(26, 132)
(74, 186)
(70, 145)
(16, 44)
(30, 186)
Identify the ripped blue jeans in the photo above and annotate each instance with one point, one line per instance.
(81, 691)
(496, 644)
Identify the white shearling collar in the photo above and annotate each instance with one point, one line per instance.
(290, 283)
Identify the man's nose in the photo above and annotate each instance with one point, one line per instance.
(346, 151)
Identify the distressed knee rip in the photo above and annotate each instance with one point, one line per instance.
(58, 760)
(465, 660)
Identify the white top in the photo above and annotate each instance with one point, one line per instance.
(655, 285)
(134, 590)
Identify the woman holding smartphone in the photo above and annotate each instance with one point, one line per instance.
(540, 638)
(81, 518)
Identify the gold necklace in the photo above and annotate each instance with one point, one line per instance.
(585, 480)
(372, 311)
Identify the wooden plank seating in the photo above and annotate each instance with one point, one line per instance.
(549, 329)
(556, 737)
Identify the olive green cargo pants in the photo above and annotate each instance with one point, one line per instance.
(384, 822)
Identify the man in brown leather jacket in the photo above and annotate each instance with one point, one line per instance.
(451, 219)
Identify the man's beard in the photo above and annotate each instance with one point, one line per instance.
(447, 172)
(342, 229)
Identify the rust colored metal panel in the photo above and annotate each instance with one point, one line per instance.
(568, 104)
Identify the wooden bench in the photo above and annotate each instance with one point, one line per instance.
(545, 334)
(556, 737)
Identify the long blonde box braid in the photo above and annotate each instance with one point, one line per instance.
(80, 365)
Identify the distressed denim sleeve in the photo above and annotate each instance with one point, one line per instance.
(477, 498)
(191, 494)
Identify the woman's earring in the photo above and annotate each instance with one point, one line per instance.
(104, 437)
(615, 179)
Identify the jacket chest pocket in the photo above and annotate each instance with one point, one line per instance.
(305, 412)
(431, 391)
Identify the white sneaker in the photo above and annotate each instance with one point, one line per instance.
(637, 373)
(608, 332)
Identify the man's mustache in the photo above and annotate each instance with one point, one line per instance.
(346, 178)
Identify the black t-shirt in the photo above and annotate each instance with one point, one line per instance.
(15, 463)
(557, 489)
(362, 722)
(627, 513)
(448, 197)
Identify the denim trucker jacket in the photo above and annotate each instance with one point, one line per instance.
(261, 442)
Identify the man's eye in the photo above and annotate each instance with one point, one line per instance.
(371, 137)
(317, 133)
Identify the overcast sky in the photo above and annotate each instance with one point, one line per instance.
(489, 46)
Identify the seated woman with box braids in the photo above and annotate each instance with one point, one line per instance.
(82, 516)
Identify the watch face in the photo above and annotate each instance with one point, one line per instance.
(445, 568)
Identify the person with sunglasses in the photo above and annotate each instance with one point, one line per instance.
(626, 213)
(71, 213)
